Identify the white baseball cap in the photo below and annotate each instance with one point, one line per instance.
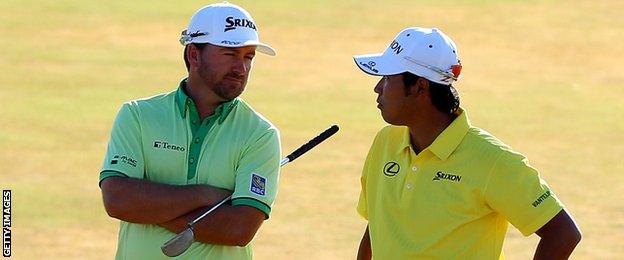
(225, 25)
(425, 52)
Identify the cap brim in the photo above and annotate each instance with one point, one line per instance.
(266, 49)
(377, 64)
(261, 47)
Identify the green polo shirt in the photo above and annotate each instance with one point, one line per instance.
(454, 199)
(162, 139)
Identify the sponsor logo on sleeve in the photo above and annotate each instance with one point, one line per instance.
(541, 199)
(258, 184)
(123, 159)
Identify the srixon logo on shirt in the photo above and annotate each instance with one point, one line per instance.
(232, 23)
(446, 176)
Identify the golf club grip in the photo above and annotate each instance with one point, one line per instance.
(314, 142)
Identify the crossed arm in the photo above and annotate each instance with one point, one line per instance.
(173, 206)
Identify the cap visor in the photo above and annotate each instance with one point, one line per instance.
(266, 49)
(377, 64)
(261, 47)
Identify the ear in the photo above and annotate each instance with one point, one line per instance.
(193, 55)
(421, 87)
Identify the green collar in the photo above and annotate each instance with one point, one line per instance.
(448, 140)
(184, 102)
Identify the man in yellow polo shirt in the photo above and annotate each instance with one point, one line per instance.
(433, 185)
(173, 155)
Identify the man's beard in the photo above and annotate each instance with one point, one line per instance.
(225, 90)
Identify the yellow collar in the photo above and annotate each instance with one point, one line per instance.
(444, 145)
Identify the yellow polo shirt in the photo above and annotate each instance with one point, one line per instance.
(454, 199)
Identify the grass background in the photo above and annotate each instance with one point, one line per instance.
(544, 76)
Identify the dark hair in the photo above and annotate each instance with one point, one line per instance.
(444, 97)
(199, 46)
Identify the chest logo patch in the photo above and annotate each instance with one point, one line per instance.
(165, 145)
(391, 169)
(446, 176)
(258, 184)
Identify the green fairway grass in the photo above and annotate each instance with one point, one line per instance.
(543, 76)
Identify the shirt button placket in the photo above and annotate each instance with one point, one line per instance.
(409, 185)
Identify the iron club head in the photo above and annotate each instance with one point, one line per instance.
(178, 244)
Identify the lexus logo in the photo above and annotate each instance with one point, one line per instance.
(391, 169)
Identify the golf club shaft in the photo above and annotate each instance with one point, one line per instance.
(289, 158)
(181, 242)
(282, 163)
(190, 224)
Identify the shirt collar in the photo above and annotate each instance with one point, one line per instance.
(451, 137)
(446, 143)
(184, 102)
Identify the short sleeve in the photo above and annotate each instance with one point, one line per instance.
(362, 206)
(257, 175)
(516, 190)
(124, 156)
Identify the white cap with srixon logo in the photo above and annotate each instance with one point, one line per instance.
(224, 25)
(425, 52)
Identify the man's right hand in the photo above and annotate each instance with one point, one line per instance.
(141, 201)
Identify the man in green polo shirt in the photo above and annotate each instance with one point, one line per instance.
(433, 185)
(173, 155)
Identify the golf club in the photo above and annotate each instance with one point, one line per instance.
(181, 242)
